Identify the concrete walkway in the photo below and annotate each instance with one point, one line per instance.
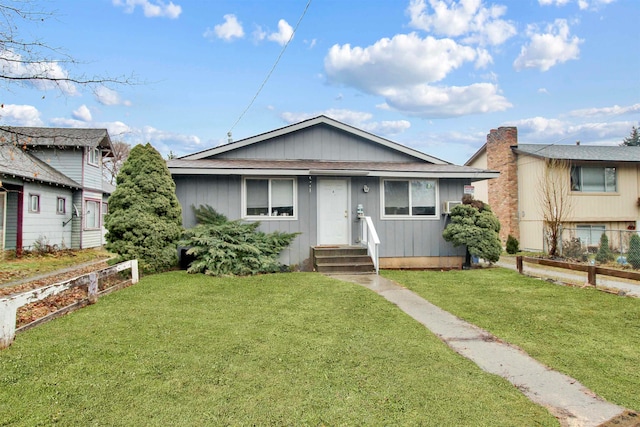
(564, 397)
(629, 287)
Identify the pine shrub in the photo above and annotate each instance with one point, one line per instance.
(633, 257)
(513, 246)
(145, 219)
(475, 228)
(220, 247)
(604, 254)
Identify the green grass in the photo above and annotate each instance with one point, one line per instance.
(286, 349)
(587, 334)
(12, 268)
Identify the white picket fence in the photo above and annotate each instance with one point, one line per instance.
(9, 306)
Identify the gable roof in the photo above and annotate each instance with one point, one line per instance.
(15, 162)
(55, 137)
(305, 125)
(617, 153)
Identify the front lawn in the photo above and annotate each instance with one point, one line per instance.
(585, 333)
(285, 349)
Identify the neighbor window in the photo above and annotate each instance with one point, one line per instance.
(593, 179)
(589, 234)
(61, 205)
(34, 203)
(92, 214)
(94, 156)
(272, 197)
(409, 198)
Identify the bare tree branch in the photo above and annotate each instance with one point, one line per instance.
(554, 197)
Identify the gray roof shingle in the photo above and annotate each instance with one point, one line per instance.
(581, 152)
(55, 137)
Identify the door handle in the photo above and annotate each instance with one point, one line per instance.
(346, 214)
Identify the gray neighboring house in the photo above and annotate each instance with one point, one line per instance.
(52, 190)
(320, 178)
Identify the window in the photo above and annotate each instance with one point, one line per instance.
(589, 234)
(409, 198)
(61, 205)
(593, 179)
(105, 210)
(92, 214)
(94, 156)
(272, 197)
(34, 203)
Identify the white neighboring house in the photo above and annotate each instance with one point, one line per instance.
(51, 187)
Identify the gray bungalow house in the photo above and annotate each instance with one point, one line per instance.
(334, 184)
(51, 187)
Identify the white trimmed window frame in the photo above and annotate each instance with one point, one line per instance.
(92, 212)
(93, 156)
(409, 215)
(61, 205)
(34, 203)
(270, 216)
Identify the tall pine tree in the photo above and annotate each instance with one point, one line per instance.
(633, 139)
(145, 218)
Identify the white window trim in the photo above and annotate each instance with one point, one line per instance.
(64, 205)
(93, 152)
(384, 216)
(243, 197)
(98, 203)
(30, 208)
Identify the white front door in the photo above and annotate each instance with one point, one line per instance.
(333, 211)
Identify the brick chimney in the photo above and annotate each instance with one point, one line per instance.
(503, 191)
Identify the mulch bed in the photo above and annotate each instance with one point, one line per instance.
(36, 310)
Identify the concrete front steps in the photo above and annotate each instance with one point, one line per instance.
(342, 259)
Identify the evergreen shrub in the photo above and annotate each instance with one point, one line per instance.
(145, 219)
(513, 246)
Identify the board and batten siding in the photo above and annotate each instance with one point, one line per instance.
(408, 237)
(399, 238)
(46, 225)
(318, 143)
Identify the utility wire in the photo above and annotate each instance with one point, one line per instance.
(264, 82)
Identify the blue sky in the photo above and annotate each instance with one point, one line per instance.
(435, 75)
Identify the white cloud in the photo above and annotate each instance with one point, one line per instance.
(556, 131)
(42, 75)
(359, 119)
(468, 18)
(82, 113)
(106, 96)
(550, 48)
(406, 59)
(543, 90)
(158, 9)
(452, 101)
(20, 115)
(283, 35)
(615, 110)
(230, 29)
(311, 43)
(402, 69)
(582, 4)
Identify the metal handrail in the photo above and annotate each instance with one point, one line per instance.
(371, 240)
